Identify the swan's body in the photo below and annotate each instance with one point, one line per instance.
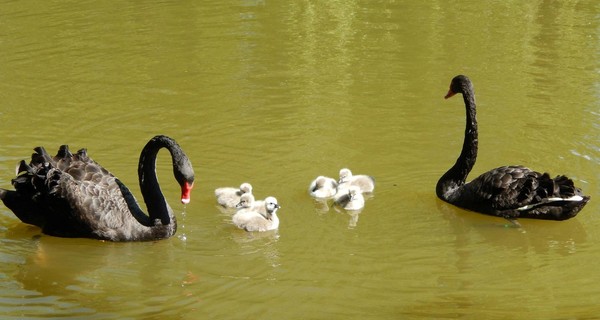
(70, 195)
(323, 187)
(252, 218)
(350, 198)
(364, 182)
(509, 191)
(229, 197)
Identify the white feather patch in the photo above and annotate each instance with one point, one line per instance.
(548, 200)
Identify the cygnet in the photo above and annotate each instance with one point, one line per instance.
(252, 218)
(229, 197)
(350, 198)
(364, 182)
(323, 187)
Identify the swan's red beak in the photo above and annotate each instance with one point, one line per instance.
(186, 190)
(449, 94)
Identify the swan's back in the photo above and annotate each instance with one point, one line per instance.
(519, 192)
(70, 195)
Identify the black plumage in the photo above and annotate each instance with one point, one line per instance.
(510, 191)
(70, 195)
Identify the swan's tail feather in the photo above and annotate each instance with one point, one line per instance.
(63, 152)
(63, 157)
(22, 206)
(553, 208)
(82, 154)
(554, 198)
(559, 187)
(41, 156)
(566, 187)
(23, 168)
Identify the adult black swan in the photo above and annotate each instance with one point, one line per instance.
(510, 192)
(70, 195)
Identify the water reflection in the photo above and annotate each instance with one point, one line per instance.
(533, 235)
(487, 259)
(324, 206)
(353, 221)
(74, 268)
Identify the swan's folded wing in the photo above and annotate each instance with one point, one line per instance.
(96, 205)
(507, 187)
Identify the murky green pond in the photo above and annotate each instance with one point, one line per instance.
(276, 93)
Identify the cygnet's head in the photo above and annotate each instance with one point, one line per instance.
(246, 201)
(246, 187)
(271, 205)
(345, 175)
(320, 181)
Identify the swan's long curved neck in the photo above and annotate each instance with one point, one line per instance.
(457, 175)
(153, 196)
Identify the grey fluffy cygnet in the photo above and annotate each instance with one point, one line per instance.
(323, 187)
(364, 182)
(253, 217)
(350, 198)
(229, 197)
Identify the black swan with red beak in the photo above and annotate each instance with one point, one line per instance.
(70, 195)
(511, 191)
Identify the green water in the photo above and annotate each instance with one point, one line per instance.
(276, 93)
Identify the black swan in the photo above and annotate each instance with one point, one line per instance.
(511, 191)
(70, 195)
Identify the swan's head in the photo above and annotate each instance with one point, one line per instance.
(246, 187)
(459, 84)
(184, 174)
(186, 191)
(345, 175)
(246, 201)
(271, 205)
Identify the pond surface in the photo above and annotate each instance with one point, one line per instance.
(276, 93)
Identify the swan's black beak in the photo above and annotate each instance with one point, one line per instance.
(186, 190)
(449, 94)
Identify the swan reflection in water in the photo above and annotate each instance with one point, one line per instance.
(532, 235)
(76, 276)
